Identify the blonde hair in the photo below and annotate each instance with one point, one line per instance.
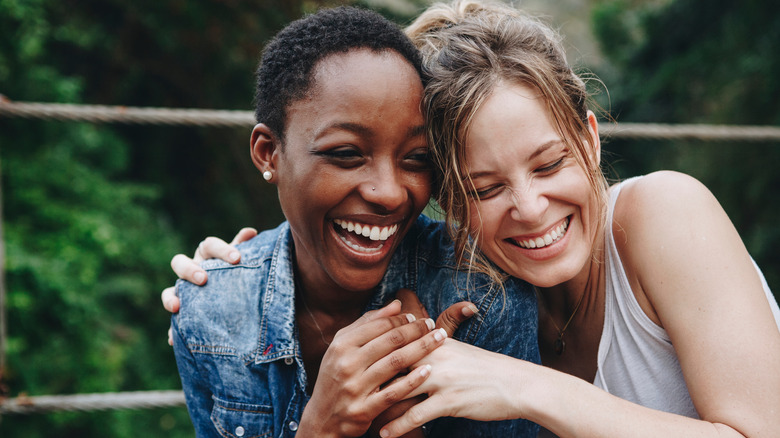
(468, 48)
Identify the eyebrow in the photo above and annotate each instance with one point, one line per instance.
(542, 148)
(363, 130)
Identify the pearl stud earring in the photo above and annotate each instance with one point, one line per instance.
(267, 175)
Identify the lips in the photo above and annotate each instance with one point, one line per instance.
(544, 240)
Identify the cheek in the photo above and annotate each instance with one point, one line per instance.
(485, 221)
(419, 187)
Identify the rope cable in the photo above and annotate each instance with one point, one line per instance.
(244, 119)
(92, 402)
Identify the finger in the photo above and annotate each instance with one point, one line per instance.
(243, 235)
(398, 360)
(187, 269)
(391, 401)
(361, 335)
(395, 411)
(454, 315)
(396, 338)
(411, 304)
(170, 337)
(419, 414)
(392, 309)
(170, 300)
(216, 248)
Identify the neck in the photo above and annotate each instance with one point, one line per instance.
(330, 299)
(324, 296)
(559, 301)
(322, 308)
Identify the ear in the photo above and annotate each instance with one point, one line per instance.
(264, 149)
(595, 141)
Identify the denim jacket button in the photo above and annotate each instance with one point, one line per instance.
(239, 431)
(293, 426)
(288, 361)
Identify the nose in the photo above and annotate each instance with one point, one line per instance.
(528, 204)
(385, 187)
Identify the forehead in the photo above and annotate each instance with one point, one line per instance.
(360, 69)
(360, 86)
(511, 113)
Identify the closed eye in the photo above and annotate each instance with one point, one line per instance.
(345, 156)
(552, 166)
(485, 192)
(418, 160)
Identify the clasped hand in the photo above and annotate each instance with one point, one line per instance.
(363, 381)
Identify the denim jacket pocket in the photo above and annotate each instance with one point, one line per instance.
(242, 420)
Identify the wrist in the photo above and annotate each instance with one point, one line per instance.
(310, 427)
(517, 388)
(547, 398)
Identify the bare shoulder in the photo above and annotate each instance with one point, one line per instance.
(664, 192)
(663, 205)
(662, 223)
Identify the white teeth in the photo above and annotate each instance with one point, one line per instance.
(372, 232)
(548, 239)
(357, 247)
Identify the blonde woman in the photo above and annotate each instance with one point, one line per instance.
(645, 288)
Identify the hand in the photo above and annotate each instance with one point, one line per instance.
(352, 386)
(449, 320)
(469, 382)
(189, 268)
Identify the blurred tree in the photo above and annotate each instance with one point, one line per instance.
(84, 246)
(697, 61)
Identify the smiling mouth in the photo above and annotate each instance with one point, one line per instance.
(364, 237)
(548, 239)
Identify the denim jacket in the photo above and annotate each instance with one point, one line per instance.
(236, 341)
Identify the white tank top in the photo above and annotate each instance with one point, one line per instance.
(636, 359)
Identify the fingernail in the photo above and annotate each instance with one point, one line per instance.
(410, 317)
(234, 256)
(429, 322)
(395, 301)
(384, 433)
(426, 369)
(439, 334)
(199, 277)
(470, 310)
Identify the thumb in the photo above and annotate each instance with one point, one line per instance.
(411, 304)
(454, 315)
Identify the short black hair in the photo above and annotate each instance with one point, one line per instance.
(286, 67)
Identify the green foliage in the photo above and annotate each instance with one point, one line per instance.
(697, 61)
(87, 221)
